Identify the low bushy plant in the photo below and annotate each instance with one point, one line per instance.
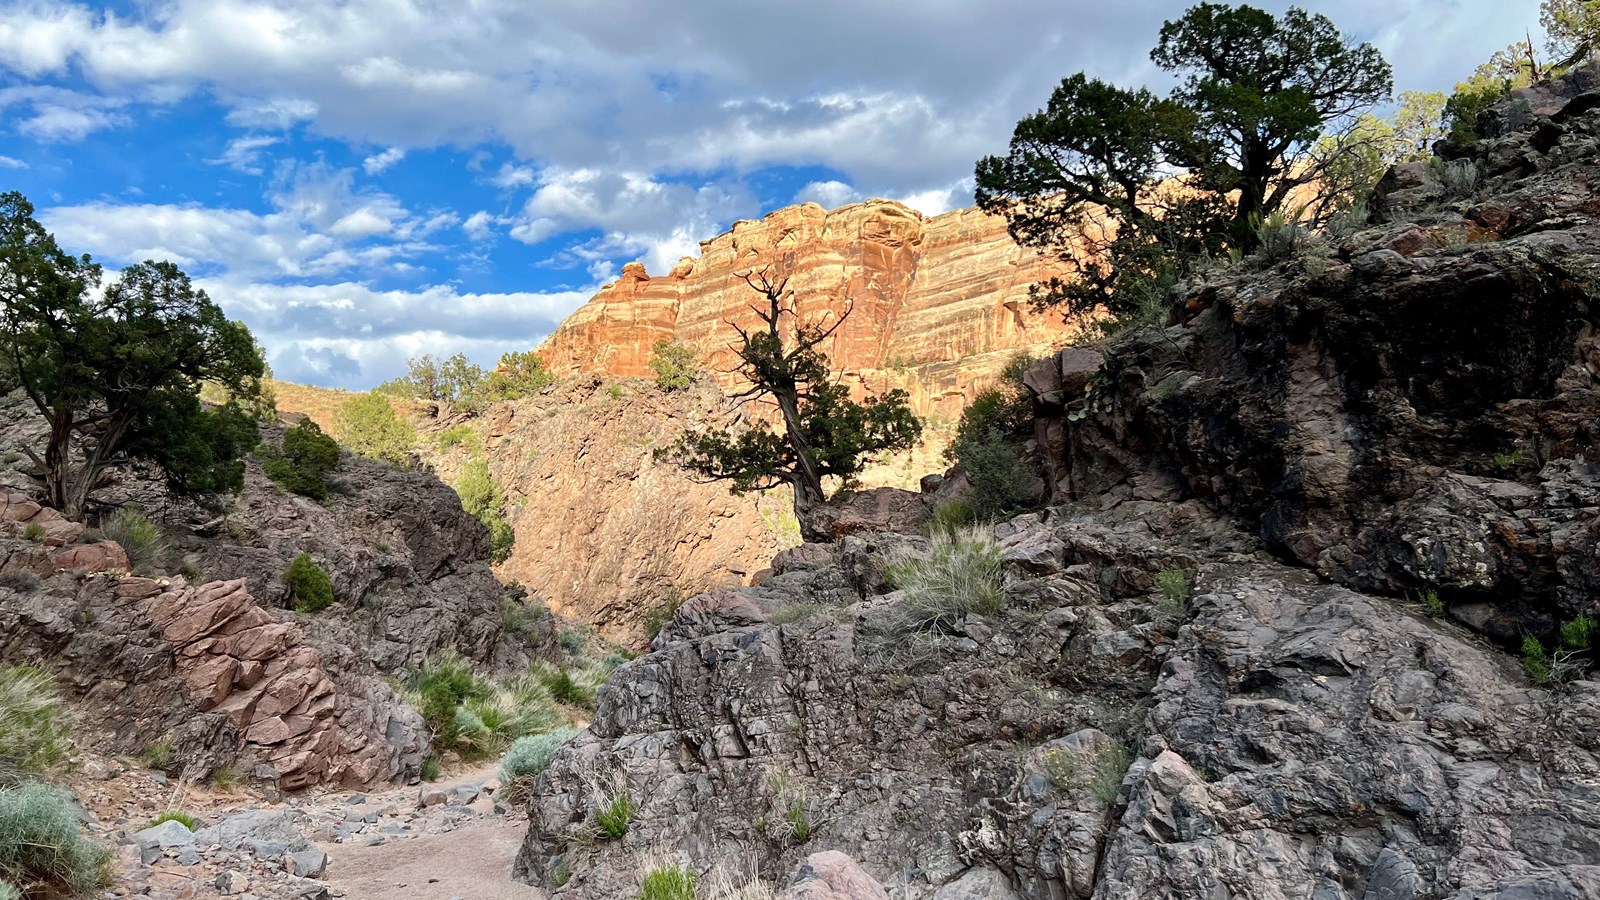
(32, 729)
(369, 426)
(175, 815)
(668, 882)
(441, 687)
(528, 756)
(1099, 772)
(33, 532)
(1460, 177)
(484, 497)
(674, 365)
(142, 539)
(1535, 661)
(960, 574)
(43, 852)
(21, 582)
(615, 814)
(567, 689)
(302, 464)
(1579, 633)
(309, 585)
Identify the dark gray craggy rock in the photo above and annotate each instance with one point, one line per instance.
(1289, 738)
(1212, 678)
(1416, 409)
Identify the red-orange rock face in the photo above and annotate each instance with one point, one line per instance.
(922, 293)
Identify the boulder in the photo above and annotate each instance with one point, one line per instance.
(831, 875)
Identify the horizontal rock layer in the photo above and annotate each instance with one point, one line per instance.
(936, 305)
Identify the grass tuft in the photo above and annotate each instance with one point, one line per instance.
(960, 574)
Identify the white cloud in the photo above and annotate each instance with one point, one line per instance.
(50, 123)
(512, 175)
(657, 221)
(935, 201)
(319, 227)
(244, 154)
(480, 225)
(350, 335)
(11, 162)
(383, 161)
(849, 87)
(280, 113)
(829, 194)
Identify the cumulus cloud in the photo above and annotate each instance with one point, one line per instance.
(829, 194)
(244, 154)
(381, 162)
(348, 334)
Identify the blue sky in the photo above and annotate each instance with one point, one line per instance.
(365, 180)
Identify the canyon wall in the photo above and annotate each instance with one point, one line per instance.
(936, 305)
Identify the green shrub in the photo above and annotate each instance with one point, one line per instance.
(442, 687)
(430, 769)
(518, 375)
(528, 756)
(573, 641)
(32, 729)
(458, 436)
(368, 425)
(1100, 772)
(309, 585)
(1003, 479)
(988, 442)
(521, 707)
(484, 497)
(175, 815)
(142, 539)
(668, 882)
(1173, 585)
(952, 514)
(1461, 178)
(1579, 633)
(615, 814)
(674, 365)
(159, 754)
(1279, 236)
(960, 574)
(566, 689)
(33, 532)
(1535, 661)
(1432, 603)
(657, 617)
(303, 463)
(42, 850)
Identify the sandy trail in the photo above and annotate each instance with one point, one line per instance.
(471, 863)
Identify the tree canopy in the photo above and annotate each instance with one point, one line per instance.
(1128, 186)
(825, 433)
(117, 374)
(368, 425)
(459, 382)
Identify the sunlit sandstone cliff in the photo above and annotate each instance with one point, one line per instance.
(937, 305)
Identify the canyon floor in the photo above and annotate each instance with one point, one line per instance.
(359, 846)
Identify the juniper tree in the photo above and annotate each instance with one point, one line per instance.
(117, 373)
(824, 434)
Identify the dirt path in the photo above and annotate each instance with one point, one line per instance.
(471, 863)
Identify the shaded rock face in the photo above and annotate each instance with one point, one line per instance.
(224, 670)
(1287, 738)
(940, 304)
(228, 682)
(1419, 412)
(604, 532)
(1206, 680)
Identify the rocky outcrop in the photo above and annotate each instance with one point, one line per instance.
(1287, 737)
(1246, 654)
(1415, 409)
(217, 679)
(224, 672)
(605, 533)
(937, 305)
